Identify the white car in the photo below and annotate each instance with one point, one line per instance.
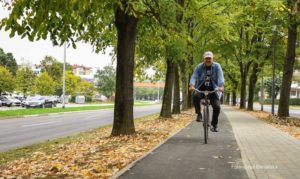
(10, 101)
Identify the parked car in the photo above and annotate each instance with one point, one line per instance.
(53, 99)
(0, 103)
(20, 98)
(38, 102)
(10, 101)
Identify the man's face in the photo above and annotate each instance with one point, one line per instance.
(208, 61)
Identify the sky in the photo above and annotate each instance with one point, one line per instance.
(34, 52)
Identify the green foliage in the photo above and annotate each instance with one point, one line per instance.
(90, 21)
(147, 93)
(86, 88)
(72, 82)
(8, 61)
(268, 85)
(106, 81)
(55, 69)
(293, 101)
(7, 82)
(44, 84)
(25, 80)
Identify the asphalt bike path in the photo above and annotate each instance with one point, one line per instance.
(185, 155)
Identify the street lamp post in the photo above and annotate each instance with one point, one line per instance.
(273, 67)
(262, 90)
(64, 76)
(262, 95)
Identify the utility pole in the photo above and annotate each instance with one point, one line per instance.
(158, 91)
(64, 76)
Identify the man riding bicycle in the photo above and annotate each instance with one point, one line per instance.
(208, 76)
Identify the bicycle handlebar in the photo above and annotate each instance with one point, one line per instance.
(207, 92)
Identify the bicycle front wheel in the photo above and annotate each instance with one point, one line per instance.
(205, 124)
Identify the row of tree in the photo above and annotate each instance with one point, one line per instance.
(24, 80)
(170, 36)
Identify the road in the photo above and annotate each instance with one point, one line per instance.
(24, 131)
(293, 112)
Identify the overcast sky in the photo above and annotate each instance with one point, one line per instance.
(34, 52)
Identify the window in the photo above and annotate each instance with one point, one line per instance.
(293, 93)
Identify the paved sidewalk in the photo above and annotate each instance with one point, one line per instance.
(186, 156)
(267, 152)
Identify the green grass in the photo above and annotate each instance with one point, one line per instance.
(36, 111)
(49, 145)
(22, 112)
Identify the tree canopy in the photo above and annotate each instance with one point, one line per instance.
(7, 83)
(169, 37)
(44, 84)
(8, 61)
(106, 81)
(25, 80)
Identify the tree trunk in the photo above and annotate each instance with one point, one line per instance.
(176, 100)
(167, 97)
(184, 86)
(227, 98)
(244, 66)
(244, 73)
(252, 84)
(243, 88)
(191, 63)
(233, 79)
(123, 112)
(283, 109)
(176, 96)
(234, 98)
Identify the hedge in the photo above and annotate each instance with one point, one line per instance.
(293, 101)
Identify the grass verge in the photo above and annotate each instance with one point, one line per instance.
(37, 111)
(47, 146)
(93, 154)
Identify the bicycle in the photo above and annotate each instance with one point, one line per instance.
(206, 119)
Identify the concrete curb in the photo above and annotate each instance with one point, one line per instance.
(129, 166)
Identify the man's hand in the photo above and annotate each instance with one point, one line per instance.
(192, 88)
(221, 88)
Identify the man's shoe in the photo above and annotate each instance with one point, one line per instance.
(199, 118)
(214, 128)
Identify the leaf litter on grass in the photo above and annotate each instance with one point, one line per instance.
(98, 157)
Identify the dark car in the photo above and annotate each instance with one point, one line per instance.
(38, 102)
(53, 99)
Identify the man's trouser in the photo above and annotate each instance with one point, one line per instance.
(214, 101)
